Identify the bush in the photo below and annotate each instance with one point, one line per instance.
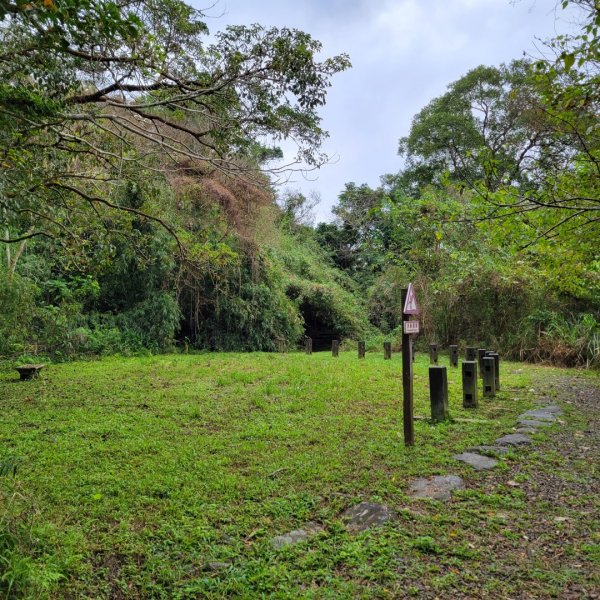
(17, 310)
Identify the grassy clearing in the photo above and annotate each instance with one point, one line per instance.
(135, 473)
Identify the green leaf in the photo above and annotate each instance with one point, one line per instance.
(568, 60)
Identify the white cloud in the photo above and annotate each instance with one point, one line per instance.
(404, 53)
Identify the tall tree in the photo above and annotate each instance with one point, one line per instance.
(93, 89)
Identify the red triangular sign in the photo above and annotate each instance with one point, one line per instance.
(410, 306)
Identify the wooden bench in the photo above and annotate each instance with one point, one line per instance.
(28, 372)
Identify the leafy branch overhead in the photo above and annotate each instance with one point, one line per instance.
(92, 89)
(524, 137)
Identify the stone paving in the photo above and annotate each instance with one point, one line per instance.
(366, 515)
(478, 461)
(438, 487)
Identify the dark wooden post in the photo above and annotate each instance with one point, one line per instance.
(335, 348)
(308, 345)
(387, 350)
(496, 358)
(407, 382)
(471, 353)
(469, 383)
(361, 349)
(454, 356)
(480, 355)
(438, 393)
(489, 376)
(433, 354)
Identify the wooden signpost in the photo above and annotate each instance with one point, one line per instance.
(410, 307)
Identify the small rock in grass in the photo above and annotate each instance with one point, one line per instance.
(298, 535)
(438, 487)
(365, 515)
(513, 439)
(477, 461)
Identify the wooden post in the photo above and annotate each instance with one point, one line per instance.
(407, 382)
(469, 383)
(433, 354)
(489, 376)
(480, 355)
(335, 348)
(454, 356)
(471, 353)
(361, 349)
(387, 350)
(496, 358)
(308, 345)
(438, 393)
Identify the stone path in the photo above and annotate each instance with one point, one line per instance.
(367, 515)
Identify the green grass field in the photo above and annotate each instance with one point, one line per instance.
(135, 473)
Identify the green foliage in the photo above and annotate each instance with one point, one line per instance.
(318, 288)
(561, 339)
(17, 310)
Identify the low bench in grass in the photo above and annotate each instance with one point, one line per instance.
(28, 372)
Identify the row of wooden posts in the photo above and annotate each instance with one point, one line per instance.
(486, 362)
(477, 360)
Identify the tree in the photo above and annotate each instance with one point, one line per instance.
(94, 90)
(485, 128)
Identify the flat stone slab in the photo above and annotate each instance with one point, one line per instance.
(534, 424)
(490, 450)
(298, 535)
(548, 413)
(513, 439)
(365, 515)
(477, 461)
(525, 430)
(438, 487)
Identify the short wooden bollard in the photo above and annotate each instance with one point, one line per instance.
(361, 349)
(496, 358)
(308, 345)
(489, 376)
(387, 350)
(438, 393)
(471, 353)
(433, 354)
(335, 348)
(454, 356)
(480, 356)
(469, 383)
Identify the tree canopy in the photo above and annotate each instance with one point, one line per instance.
(95, 89)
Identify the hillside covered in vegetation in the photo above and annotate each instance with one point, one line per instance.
(141, 211)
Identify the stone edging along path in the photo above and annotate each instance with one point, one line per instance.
(365, 515)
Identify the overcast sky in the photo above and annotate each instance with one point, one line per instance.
(403, 53)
